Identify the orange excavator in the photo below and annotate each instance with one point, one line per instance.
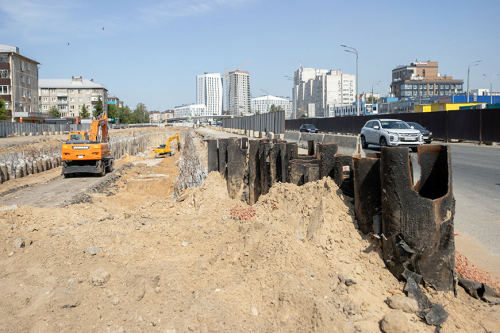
(88, 153)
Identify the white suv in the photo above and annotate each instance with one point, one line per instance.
(390, 132)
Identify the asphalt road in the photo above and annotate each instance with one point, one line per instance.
(476, 187)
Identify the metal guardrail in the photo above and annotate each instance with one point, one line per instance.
(267, 122)
(10, 129)
(475, 125)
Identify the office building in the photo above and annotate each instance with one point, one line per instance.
(209, 92)
(316, 91)
(18, 83)
(191, 110)
(422, 79)
(239, 93)
(263, 104)
(69, 95)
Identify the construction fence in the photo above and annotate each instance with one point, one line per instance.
(267, 122)
(11, 129)
(474, 125)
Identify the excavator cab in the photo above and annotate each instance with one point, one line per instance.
(78, 136)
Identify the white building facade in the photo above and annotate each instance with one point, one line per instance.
(209, 92)
(263, 105)
(191, 110)
(239, 93)
(315, 91)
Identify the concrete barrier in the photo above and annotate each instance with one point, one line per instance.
(292, 136)
(304, 137)
(348, 144)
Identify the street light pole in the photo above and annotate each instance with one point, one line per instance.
(357, 75)
(491, 87)
(468, 74)
(376, 83)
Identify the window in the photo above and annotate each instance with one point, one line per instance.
(72, 107)
(29, 94)
(45, 99)
(80, 99)
(5, 90)
(88, 106)
(28, 66)
(72, 91)
(423, 72)
(45, 107)
(29, 108)
(53, 99)
(24, 93)
(4, 58)
(87, 91)
(22, 78)
(79, 91)
(71, 99)
(29, 80)
(88, 99)
(53, 91)
(4, 74)
(22, 65)
(44, 91)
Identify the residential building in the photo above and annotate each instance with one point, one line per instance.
(69, 95)
(422, 79)
(169, 114)
(18, 83)
(316, 91)
(239, 93)
(112, 99)
(263, 104)
(210, 93)
(191, 110)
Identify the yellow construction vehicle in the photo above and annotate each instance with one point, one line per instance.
(88, 153)
(163, 150)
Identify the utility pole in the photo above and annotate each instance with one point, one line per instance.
(491, 87)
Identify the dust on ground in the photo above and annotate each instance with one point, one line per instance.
(136, 261)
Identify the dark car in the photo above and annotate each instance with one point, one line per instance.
(425, 132)
(310, 128)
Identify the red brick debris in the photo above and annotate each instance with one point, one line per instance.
(242, 213)
(467, 270)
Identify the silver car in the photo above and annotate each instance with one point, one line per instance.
(390, 132)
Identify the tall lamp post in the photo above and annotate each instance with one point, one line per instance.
(491, 87)
(267, 103)
(468, 74)
(376, 83)
(357, 74)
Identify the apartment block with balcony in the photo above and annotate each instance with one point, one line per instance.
(69, 95)
(18, 83)
(239, 93)
(422, 79)
(209, 92)
(113, 99)
(263, 105)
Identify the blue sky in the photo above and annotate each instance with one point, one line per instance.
(151, 51)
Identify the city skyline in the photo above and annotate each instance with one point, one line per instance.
(151, 53)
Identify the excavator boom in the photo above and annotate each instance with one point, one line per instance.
(165, 149)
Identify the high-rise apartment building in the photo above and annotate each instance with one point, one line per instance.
(315, 91)
(209, 92)
(69, 95)
(239, 93)
(422, 79)
(18, 83)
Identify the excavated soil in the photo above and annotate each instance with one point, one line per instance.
(136, 261)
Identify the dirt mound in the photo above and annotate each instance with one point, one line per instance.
(136, 261)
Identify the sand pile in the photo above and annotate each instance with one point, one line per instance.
(136, 261)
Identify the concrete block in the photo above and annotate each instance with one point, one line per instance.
(348, 144)
(304, 137)
(292, 136)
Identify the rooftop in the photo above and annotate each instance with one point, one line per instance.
(78, 83)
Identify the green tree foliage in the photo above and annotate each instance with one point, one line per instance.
(3, 110)
(141, 114)
(98, 108)
(54, 113)
(371, 100)
(125, 115)
(112, 112)
(84, 113)
(275, 108)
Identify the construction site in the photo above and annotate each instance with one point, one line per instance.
(212, 231)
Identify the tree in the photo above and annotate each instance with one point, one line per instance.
(275, 108)
(112, 112)
(141, 114)
(125, 115)
(98, 108)
(371, 100)
(84, 113)
(3, 109)
(54, 113)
